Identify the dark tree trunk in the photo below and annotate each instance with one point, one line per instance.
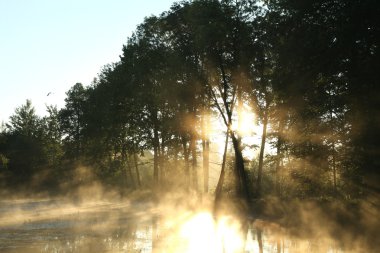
(260, 240)
(194, 163)
(279, 157)
(187, 166)
(206, 162)
(156, 147)
(261, 156)
(241, 176)
(219, 187)
(240, 110)
(334, 166)
(129, 171)
(78, 137)
(205, 152)
(137, 170)
(176, 151)
(161, 159)
(126, 168)
(155, 155)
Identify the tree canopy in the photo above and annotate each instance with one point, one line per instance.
(308, 70)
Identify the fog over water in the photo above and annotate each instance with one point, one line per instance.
(224, 126)
(172, 225)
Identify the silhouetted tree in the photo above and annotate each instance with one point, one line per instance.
(72, 120)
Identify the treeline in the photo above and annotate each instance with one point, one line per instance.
(308, 69)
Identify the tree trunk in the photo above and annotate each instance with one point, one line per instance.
(205, 151)
(126, 168)
(187, 167)
(239, 111)
(161, 159)
(123, 164)
(129, 171)
(176, 151)
(124, 174)
(261, 156)
(194, 162)
(155, 154)
(241, 176)
(260, 240)
(206, 162)
(137, 169)
(219, 186)
(77, 137)
(334, 166)
(279, 157)
(333, 146)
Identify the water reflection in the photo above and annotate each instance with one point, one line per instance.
(268, 242)
(109, 227)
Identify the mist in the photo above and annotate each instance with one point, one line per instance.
(225, 126)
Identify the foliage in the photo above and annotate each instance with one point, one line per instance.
(309, 71)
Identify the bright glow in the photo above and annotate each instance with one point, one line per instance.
(201, 234)
(248, 129)
(245, 126)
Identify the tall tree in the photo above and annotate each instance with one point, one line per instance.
(24, 147)
(72, 120)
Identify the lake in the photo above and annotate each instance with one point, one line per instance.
(61, 226)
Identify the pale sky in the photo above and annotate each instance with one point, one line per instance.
(49, 45)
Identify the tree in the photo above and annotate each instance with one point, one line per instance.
(207, 38)
(24, 121)
(23, 144)
(72, 120)
(52, 140)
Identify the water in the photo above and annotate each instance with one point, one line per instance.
(58, 226)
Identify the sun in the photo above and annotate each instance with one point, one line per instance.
(245, 126)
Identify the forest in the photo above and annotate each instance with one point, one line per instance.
(254, 100)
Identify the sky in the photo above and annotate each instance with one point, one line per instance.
(46, 46)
